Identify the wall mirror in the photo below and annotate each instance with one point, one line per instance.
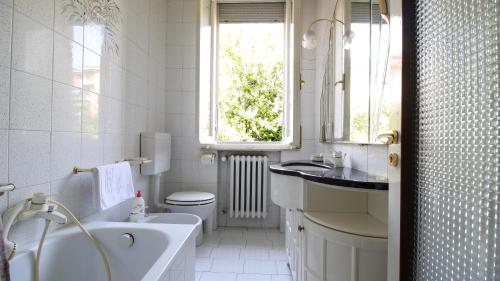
(354, 104)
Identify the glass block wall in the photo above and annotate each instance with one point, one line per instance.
(458, 106)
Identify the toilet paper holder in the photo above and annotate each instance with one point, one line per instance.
(208, 158)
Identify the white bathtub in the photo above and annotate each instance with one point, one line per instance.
(178, 218)
(160, 252)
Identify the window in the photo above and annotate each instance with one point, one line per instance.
(248, 75)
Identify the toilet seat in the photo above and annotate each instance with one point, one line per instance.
(190, 198)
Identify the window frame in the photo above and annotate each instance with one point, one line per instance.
(291, 99)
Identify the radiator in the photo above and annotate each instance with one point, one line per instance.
(248, 186)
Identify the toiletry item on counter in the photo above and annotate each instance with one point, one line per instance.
(338, 159)
(138, 208)
(317, 157)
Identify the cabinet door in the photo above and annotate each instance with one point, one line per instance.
(338, 261)
(325, 259)
(331, 255)
(299, 245)
(294, 243)
(288, 233)
(372, 265)
(291, 223)
(313, 255)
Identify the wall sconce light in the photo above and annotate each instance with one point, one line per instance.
(309, 40)
(347, 39)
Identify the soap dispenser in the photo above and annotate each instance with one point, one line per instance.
(138, 208)
(338, 159)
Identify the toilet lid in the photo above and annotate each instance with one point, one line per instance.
(190, 197)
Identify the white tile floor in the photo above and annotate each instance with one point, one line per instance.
(243, 254)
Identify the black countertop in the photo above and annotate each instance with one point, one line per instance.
(345, 177)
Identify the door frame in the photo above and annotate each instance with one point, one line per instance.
(408, 137)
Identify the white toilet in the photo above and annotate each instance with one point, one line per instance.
(197, 203)
(157, 147)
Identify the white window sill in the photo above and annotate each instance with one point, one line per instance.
(248, 146)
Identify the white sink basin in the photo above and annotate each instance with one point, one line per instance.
(68, 255)
(307, 168)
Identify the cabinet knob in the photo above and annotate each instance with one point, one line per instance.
(300, 228)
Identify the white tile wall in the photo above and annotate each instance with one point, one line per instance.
(94, 111)
(369, 158)
(39, 10)
(66, 108)
(64, 100)
(70, 30)
(4, 96)
(91, 150)
(68, 63)
(30, 102)
(4, 155)
(65, 154)
(32, 46)
(29, 158)
(5, 33)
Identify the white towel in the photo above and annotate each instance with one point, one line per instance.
(112, 185)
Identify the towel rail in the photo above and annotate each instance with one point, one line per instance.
(132, 161)
(77, 170)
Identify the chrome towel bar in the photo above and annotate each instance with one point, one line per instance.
(132, 161)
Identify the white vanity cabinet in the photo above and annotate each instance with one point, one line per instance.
(333, 233)
(331, 255)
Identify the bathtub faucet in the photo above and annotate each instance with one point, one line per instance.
(39, 208)
(32, 208)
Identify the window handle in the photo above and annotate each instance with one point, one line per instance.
(341, 82)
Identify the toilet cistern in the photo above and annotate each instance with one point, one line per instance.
(157, 147)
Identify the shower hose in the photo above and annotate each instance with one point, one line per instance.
(87, 234)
